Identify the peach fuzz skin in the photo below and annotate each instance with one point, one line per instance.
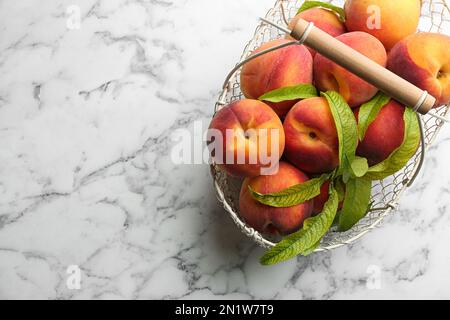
(384, 135)
(424, 60)
(311, 139)
(330, 76)
(288, 66)
(322, 198)
(241, 116)
(323, 19)
(398, 18)
(270, 220)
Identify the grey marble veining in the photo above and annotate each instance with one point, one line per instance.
(86, 177)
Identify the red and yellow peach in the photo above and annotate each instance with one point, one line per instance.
(311, 138)
(424, 60)
(388, 20)
(323, 19)
(384, 135)
(251, 133)
(270, 220)
(288, 66)
(328, 75)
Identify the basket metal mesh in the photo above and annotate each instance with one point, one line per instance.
(385, 193)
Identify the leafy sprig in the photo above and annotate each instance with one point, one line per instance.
(301, 91)
(313, 4)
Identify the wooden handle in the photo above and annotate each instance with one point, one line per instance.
(375, 74)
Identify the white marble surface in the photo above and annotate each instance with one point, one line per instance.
(86, 117)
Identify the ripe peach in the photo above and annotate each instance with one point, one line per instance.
(281, 68)
(322, 198)
(424, 60)
(323, 19)
(311, 138)
(270, 220)
(330, 76)
(249, 130)
(384, 135)
(388, 20)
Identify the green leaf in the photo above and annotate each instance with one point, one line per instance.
(302, 91)
(292, 196)
(312, 4)
(311, 250)
(369, 112)
(340, 188)
(306, 238)
(347, 175)
(400, 157)
(336, 219)
(346, 127)
(356, 203)
(359, 167)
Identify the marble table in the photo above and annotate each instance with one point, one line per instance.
(91, 93)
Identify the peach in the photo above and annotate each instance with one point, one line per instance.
(288, 66)
(270, 220)
(252, 138)
(323, 19)
(424, 60)
(312, 143)
(388, 20)
(384, 135)
(321, 199)
(330, 76)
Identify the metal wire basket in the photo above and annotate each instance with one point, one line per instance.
(385, 193)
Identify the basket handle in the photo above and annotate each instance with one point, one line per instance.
(365, 68)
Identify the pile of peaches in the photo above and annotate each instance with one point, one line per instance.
(336, 132)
